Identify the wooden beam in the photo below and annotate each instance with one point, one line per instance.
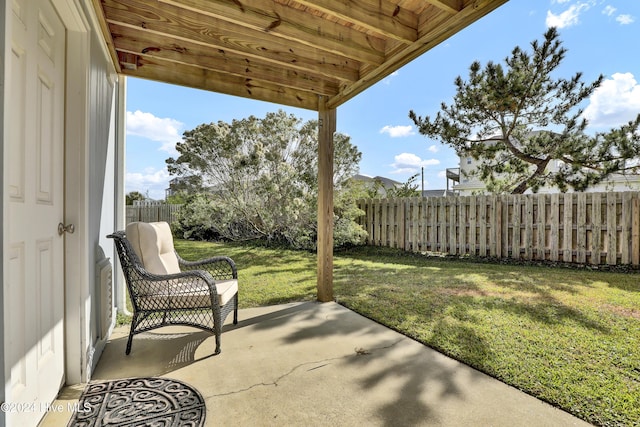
(236, 40)
(449, 6)
(185, 75)
(128, 60)
(434, 29)
(278, 27)
(381, 16)
(173, 50)
(326, 129)
(292, 24)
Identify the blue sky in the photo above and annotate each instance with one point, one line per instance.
(602, 37)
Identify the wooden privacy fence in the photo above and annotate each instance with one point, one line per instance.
(585, 228)
(152, 213)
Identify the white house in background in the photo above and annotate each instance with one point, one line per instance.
(382, 182)
(466, 183)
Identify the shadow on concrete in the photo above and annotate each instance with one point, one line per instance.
(318, 364)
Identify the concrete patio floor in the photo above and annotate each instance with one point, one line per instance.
(312, 364)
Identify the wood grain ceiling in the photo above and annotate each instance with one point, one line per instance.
(288, 52)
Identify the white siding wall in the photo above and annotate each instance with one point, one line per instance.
(101, 178)
(472, 185)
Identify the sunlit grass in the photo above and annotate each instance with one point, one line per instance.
(268, 275)
(567, 336)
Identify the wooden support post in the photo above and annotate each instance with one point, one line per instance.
(326, 129)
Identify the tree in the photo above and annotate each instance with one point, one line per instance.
(517, 119)
(407, 189)
(133, 196)
(386, 189)
(261, 175)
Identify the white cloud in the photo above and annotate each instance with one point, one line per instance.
(569, 17)
(151, 181)
(625, 19)
(609, 10)
(398, 131)
(615, 102)
(387, 81)
(410, 163)
(433, 148)
(146, 125)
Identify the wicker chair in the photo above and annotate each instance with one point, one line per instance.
(167, 290)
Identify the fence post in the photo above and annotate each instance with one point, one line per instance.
(497, 223)
(473, 242)
(516, 232)
(612, 245)
(402, 223)
(567, 222)
(528, 227)
(625, 233)
(453, 249)
(581, 227)
(481, 221)
(596, 233)
(635, 230)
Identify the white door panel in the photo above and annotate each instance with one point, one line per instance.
(35, 303)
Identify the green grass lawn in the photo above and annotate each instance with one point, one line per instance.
(570, 337)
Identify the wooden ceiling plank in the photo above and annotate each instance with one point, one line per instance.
(449, 6)
(256, 24)
(179, 51)
(429, 38)
(299, 57)
(291, 24)
(382, 16)
(185, 75)
(429, 21)
(221, 53)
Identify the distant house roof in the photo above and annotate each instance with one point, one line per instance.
(386, 182)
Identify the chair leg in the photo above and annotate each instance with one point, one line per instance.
(128, 350)
(235, 311)
(218, 349)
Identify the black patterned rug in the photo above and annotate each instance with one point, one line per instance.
(139, 402)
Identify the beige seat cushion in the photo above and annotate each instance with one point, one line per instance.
(192, 297)
(226, 290)
(153, 243)
(181, 295)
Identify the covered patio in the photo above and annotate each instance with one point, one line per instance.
(304, 363)
(317, 364)
(310, 54)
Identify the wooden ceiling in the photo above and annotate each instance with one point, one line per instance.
(288, 52)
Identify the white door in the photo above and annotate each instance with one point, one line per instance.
(35, 198)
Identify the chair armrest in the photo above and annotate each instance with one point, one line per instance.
(219, 267)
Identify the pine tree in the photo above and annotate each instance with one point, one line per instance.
(517, 118)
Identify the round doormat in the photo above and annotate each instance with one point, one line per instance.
(139, 402)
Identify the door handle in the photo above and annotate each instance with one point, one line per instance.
(69, 228)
